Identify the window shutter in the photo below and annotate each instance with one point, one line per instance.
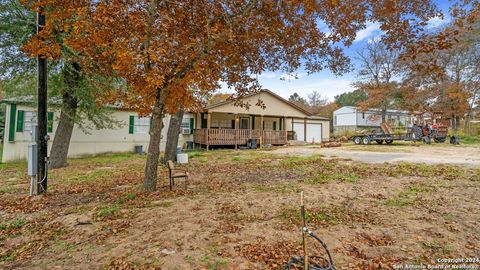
(274, 125)
(281, 124)
(20, 118)
(11, 127)
(131, 124)
(50, 122)
(150, 127)
(191, 125)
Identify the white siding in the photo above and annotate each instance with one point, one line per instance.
(95, 142)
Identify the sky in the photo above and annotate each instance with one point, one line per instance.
(325, 82)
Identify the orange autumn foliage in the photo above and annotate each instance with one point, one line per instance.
(165, 53)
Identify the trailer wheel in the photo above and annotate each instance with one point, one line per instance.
(389, 141)
(366, 140)
(454, 140)
(357, 140)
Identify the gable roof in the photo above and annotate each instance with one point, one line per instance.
(262, 91)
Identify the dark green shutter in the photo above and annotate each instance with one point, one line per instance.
(50, 122)
(191, 125)
(150, 127)
(274, 125)
(20, 117)
(131, 124)
(281, 124)
(11, 127)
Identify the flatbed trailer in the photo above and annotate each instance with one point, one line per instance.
(381, 138)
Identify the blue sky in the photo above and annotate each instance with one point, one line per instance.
(325, 82)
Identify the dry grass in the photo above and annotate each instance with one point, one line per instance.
(240, 212)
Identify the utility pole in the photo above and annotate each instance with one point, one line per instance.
(42, 138)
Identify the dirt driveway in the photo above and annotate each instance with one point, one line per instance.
(430, 154)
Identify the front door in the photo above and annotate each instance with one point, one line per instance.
(244, 123)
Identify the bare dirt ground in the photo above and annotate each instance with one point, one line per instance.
(240, 211)
(398, 152)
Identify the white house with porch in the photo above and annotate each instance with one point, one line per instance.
(223, 123)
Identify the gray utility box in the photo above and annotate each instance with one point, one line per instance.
(32, 159)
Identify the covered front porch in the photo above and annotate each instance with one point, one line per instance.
(216, 129)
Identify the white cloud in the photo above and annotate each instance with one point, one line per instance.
(369, 31)
(292, 76)
(268, 75)
(329, 87)
(436, 22)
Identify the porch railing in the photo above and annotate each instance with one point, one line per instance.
(238, 136)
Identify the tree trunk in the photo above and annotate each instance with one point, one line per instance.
(384, 115)
(151, 167)
(63, 134)
(172, 135)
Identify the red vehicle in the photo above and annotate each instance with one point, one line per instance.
(431, 126)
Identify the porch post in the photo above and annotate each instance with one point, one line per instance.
(305, 129)
(235, 132)
(261, 130)
(209, 122)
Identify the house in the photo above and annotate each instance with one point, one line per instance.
(350, 118)
(221, 125)
(133, 131)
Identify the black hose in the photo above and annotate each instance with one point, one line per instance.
(300, 261)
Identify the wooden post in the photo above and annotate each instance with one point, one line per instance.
(261, 130)
(305, 129)
(209, 122)
(235, 132)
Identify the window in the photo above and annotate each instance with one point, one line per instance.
(141, 125)
(185, 123)
(268, 125)
(29, 120)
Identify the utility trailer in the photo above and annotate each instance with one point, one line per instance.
(385, 134)
(426, 134)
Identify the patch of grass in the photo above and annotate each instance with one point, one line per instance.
(165, 204)
(214, 264)
(282, 189)
(323, 178)
(7, 189)
(324, 214)
(298, 160)
(195, 153)
(469, 139)
(189, 259)
(64, 246)
(108, 211)
(14, 224)
(107, 158)
(8, 257)
(17, 223)
(401, 201)
(436, 247)
(408, 196)
(236, 158)
(125, 198)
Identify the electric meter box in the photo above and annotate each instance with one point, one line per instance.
(32, 159)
